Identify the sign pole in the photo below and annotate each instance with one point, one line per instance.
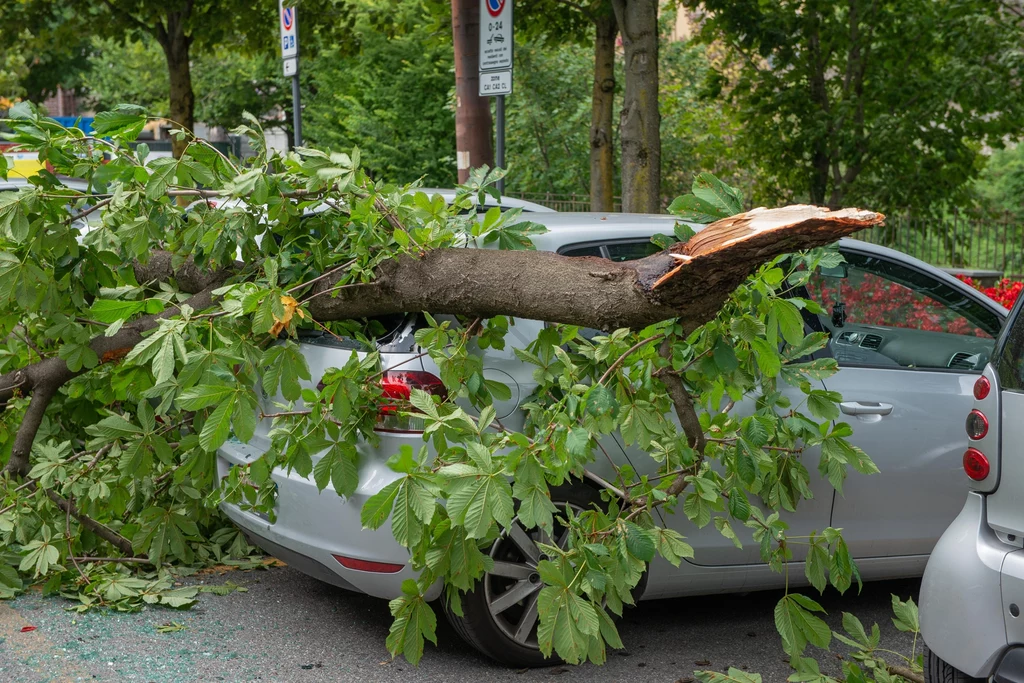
(297, 109)
(499, 147)
(289, 22)
(496, 47)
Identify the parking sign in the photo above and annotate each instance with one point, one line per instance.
(289, 31)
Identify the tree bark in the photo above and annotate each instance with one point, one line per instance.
(640, 120)
(176, 43)
(602, 164)
(689, 282)
(472, 112)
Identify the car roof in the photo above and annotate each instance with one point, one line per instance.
(16, 183)
(508, 202)
(575, 227)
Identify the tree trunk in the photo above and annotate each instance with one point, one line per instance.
(640, 121)
(176, 43)
(472, 112)
(602, 163)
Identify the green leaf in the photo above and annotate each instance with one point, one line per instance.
(218, 425)
(110, 311)
(204, 396)
(477, 502)
(377, 508)
(639, 542)
(824, 404)
(671, 546)
(78, 356)
(906, 618)
(414, 621)
(162, 171)
(601, 401)
(125, 121)
(726, 200)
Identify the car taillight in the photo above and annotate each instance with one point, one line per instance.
(976, 464)
(977, 425)
(397, 387)
(982, 387)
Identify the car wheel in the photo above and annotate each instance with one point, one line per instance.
(938, 671)
(500, 613)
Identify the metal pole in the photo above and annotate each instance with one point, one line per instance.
(297, 109)
(500, 142)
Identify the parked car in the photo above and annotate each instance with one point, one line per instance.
(973, 586)
(910, 341)
(505, 204)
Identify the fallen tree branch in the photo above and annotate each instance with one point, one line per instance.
(687, 415)
(690, 282)
(106, 533)
(906, 673)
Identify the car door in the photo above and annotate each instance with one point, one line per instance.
(710, 547)
(910, 343)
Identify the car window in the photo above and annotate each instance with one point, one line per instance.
(616, 251)
(882, 313)
(1009, 364)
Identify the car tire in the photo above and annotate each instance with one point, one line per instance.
(510, 635)
(938, 671)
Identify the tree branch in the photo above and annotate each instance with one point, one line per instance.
(687, 415)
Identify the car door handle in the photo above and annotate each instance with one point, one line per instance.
(865, 408)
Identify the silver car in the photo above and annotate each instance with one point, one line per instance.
(973, 587)
(910, 341)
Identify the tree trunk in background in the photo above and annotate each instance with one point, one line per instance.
(640, 121)
(472, 112)
(602, 162)
(175, 44)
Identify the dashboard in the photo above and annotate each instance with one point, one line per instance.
(855, 344)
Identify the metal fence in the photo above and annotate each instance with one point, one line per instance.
(960, 240)
(562, 202)
(965, 240)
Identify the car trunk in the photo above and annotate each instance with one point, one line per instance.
(392, 335)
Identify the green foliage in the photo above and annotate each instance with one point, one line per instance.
(387, 88)
(133, 439)
(1000, 186)
(867, 102)
(227, 81)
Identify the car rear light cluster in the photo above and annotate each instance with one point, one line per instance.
(977, 425)
(981, 388)
(976, 464)
(397, 387)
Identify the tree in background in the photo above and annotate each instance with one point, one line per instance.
(548, 119)
(640, 120)
(227, 82)
(182, 28)
(841, 102)
(387, 89)
(1000, 187)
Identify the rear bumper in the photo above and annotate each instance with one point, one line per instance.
(961, 603)
(1011, 668)
(313, 526)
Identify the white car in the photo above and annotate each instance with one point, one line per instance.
(910, 341)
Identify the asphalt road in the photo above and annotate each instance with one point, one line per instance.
(288, 627)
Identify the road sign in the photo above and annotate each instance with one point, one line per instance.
(289, 32)
(496, 83)
(495, 35)
(291, 66)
